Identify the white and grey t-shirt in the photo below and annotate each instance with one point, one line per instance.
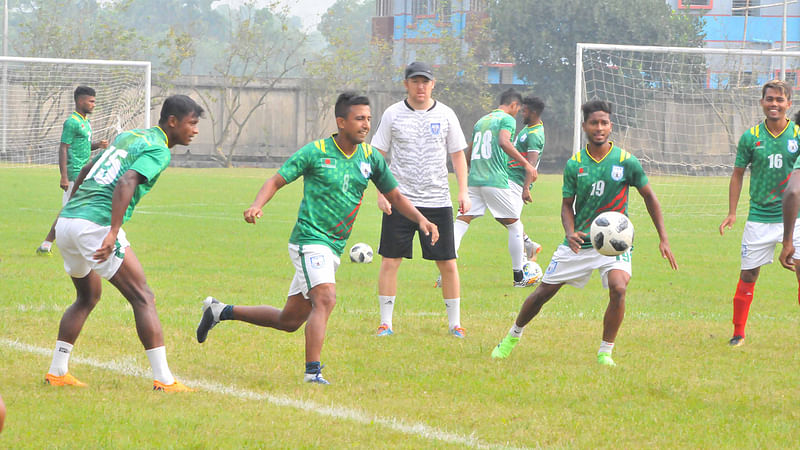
(417, 143)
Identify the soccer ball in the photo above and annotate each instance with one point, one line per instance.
(361, 253)
(612, 233)
(531, 273)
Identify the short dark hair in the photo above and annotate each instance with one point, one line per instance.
(509, 96)
(778, 85)
(346, 100)
(594, 106)
(534, 104)
(80, 91)
(179, 106)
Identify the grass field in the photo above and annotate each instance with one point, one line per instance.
(677, 383)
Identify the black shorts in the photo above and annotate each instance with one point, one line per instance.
(397, 234)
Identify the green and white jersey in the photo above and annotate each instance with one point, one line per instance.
(771, 160)
(600, 186)
(146, 151)
(77, 133)
(488, 161)
(529, 139)
(333, 186)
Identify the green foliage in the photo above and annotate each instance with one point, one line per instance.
(677, 384)
(543, 44)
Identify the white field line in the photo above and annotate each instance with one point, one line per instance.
(395, 424)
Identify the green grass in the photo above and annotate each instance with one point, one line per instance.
(677, 383)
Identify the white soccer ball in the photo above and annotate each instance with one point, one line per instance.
(532, 273)
(361, 253)
(612, 233)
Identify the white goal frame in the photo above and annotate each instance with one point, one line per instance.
(145, 66)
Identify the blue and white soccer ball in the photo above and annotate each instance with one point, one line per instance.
(531, 273)
(611, 233)
(361, 253)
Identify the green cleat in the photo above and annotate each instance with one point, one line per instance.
(505, 346)
(605, 359)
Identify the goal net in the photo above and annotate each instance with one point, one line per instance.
(36, 97)
(681, 111)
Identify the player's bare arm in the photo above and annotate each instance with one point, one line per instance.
(504, 138)
(654, 209)
(103, 143)
(383, 204)
(574, 238)
(791, 205)
(533, 158)
(62, 165)
(405, 208)
(123, 193)
(264, 195)
(734, 191)
(459, 161)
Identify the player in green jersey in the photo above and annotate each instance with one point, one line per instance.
(335, 173)
(530, 143)
(488, 181)
(791, 209)
(596, 179)
(770, 149)
(74, 151)
(93, 244)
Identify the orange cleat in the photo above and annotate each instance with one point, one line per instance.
(177, 386)
(63, 380)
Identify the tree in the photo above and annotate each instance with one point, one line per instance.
(261, 47)
(543, 44)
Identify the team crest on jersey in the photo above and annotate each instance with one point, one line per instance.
(366, 169)
(327, 162)
(523, 137)
(436, 128)
(617, 172)
(792, 146)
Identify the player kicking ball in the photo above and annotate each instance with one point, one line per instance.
(596, 179)
(335, 174)
(93, 244)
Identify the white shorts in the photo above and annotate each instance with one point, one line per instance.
(313, 264)
(79, 239)
(65, 195)
(502, 203)
(575, 269)
(759, 241)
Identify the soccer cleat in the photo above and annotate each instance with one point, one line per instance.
(315, 377)
(458, 332)
(605, 359)
(212, 308)
(177, 386)
(384, 330)
(63, 380)
(438, 282)
(736, 341)
(41, 251)
(525, 282)
(532, 249)
(505, 346)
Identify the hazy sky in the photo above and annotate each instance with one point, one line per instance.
(308, 10)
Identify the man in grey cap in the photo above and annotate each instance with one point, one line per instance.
(418, 134)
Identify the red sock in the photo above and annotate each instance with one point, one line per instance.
(741, 306)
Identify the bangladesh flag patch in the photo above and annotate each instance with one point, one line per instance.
(328, 162)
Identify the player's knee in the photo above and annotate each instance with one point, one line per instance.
(326, 301)
(142, 297)
(616, 293)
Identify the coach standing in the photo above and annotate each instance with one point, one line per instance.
(418, 133)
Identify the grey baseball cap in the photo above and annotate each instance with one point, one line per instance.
(419, 69)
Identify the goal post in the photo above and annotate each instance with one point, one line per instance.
(681, 112)
(36, 97)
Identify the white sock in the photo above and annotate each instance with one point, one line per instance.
(47, 245)
(606, 347)
(516, 246)
(387, 307)
(453, 307)
(60, 365)
(459, 230)
(515, 331)
(158, 361)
